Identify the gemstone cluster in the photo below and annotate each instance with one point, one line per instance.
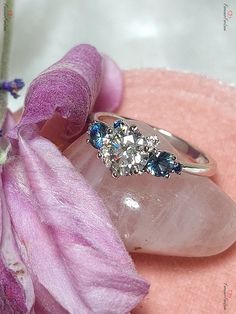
(125, 151)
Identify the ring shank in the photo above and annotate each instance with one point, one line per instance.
(193, 160)
(203, 164)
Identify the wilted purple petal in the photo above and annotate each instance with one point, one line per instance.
(70, 87)
(16, 288)
(73, 252)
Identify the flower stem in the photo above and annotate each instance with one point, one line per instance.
(5, 54)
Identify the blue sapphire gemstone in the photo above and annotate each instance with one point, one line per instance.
(97, 132)
(177, 167)
(162, 165)
(118, 123)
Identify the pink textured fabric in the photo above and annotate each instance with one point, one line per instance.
(204, 112)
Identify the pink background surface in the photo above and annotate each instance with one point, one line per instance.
(204, 112)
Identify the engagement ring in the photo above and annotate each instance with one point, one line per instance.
(126, 151)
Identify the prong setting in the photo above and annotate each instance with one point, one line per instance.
(136, 170)
(115, 175)
(134, 128)
(127, 152)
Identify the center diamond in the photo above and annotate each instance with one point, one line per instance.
(124, 150)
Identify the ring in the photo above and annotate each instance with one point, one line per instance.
(126, 150)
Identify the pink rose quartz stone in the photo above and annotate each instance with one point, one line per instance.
(184, 215)
(202, 111)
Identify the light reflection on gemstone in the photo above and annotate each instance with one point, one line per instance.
(97, 131)
(126, 151)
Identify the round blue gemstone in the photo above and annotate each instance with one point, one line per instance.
(118, 123)
(178, 167)
(97, 132)
(162, 165)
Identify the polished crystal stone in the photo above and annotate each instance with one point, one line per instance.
(185, 215)
(162, 164)
(97, 132)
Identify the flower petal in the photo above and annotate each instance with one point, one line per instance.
(71, 247)
(12, 298)
(70, 87)
(16, 288)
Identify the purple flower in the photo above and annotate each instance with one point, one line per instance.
(59, 250)
(13, 87)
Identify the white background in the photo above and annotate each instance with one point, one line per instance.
(184, 35)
